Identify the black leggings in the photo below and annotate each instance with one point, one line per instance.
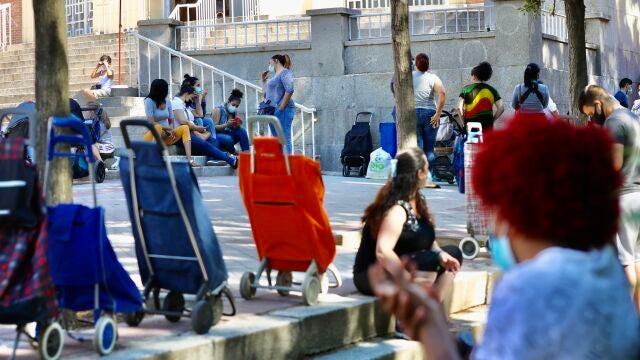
(426, 260)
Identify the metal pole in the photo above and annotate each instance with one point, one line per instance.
(120, 43)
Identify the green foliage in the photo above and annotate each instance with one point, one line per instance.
(535, 7)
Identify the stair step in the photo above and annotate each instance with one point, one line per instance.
(397, 349)
(292, 333)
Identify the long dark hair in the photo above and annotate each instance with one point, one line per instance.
(283, 59)
(158, 91)
(404, 186)
(235, 95)
(186, 88)
(531, 75)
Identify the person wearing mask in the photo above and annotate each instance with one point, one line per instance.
(477, 101)
(562, 293)
(278, 91)
(398, 224)
(159, 112)
(228, 124)
(624, 126)
(104, 73)
(626, 89)
(185, 117)
(531, 95)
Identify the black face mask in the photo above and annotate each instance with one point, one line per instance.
(598, 116)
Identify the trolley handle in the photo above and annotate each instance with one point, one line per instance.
(364, 113)
(144, 123)
(82, 137)
(253, 121)
(31, 115)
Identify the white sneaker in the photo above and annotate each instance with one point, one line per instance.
(116, 164)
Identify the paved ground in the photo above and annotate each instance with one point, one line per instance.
(345, 200)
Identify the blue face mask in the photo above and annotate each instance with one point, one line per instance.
(198, 90)
(272, 68)
(231, 108)
(501, 252)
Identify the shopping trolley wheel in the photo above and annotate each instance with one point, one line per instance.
(101, 172)
(201, 317)
(174, 302)
(134, 319)
(105, 336)
(215, 302)
(246, 290)
(326, 279)
(345, 171)
(451, 181)
(362, 171)
(469, 247)
(51, 342)
(284, 278)
(311, 288)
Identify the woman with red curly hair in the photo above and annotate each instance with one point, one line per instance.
(553, 191)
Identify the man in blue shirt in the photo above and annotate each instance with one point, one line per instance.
(625, 90)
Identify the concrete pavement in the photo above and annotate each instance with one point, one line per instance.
(345, 200)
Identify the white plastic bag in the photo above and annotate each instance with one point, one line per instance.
(379, 165)
(445, 130)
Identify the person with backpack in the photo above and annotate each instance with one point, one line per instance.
(531, 95)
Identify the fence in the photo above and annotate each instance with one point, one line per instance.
(385, 4)
(245, 34)
(554, 25)
(5, 26)
(106, 15)
(155, 60)
(424, 22)
(79, 16)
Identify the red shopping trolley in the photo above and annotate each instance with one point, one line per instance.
(283, 195)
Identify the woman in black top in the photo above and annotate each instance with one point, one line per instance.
(398, 224)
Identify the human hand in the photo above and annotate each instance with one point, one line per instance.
(201, 129)
(449, 262)
(265, 75)
(435, 120)
(170, 134)
(416, 306)
(205, 92)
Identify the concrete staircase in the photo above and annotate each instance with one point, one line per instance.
(17, 66)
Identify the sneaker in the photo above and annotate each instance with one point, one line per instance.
(116, 164)
(235, 163)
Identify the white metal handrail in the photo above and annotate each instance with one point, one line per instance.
(6, 26)
(554, 25)
(208, 12)
(385, 4)
(424, 22)
(219, 82)
(244, 34)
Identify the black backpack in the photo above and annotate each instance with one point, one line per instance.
(533, 89)
(358, 145)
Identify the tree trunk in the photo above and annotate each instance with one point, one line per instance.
(575, 12)
(405, 107)
(52, 91)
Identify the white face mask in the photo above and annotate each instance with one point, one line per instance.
(272, 68)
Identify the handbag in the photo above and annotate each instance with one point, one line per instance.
(265, 108)
(96, 87)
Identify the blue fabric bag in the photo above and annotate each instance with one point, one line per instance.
(389, 138)
(81, 256)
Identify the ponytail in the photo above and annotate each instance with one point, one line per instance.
(287, 61)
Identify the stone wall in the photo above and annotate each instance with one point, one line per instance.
(341, 78)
